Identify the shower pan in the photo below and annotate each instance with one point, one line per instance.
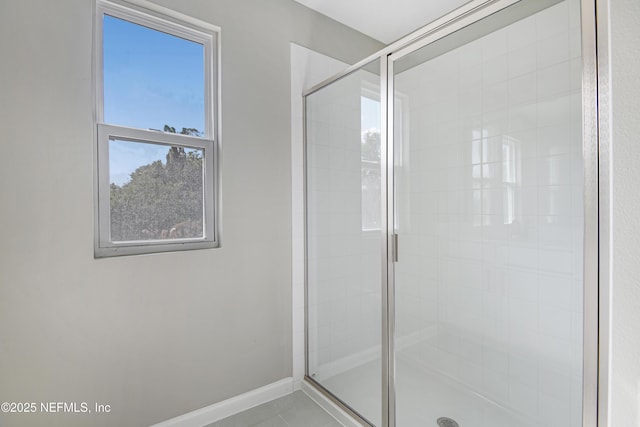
(451, 223)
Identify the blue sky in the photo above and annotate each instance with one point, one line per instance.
(150, 79)
(369, 114)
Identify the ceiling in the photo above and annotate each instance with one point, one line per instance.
(384, 20)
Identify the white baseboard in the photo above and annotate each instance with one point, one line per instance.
(334, 410)
(226, 408)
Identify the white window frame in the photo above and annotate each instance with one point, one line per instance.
(161, 19)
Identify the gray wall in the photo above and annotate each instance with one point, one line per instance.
(625, 68)
(154, 336)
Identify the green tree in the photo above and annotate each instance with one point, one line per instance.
(371, 183)
(184, 131)
(370, 149)
(161, 200)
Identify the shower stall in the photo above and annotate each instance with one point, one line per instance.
(451, 223)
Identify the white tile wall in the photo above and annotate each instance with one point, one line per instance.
(490, 219)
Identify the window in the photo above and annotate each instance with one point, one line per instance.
(370, 159)
(156, 131)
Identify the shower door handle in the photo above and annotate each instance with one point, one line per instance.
(394, 250)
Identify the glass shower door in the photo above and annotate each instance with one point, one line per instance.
(344, 240)
(488, 285)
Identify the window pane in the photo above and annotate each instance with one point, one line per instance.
(156, 191)
(370, 157)
(152, 80)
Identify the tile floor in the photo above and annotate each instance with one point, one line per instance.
(293, 410)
